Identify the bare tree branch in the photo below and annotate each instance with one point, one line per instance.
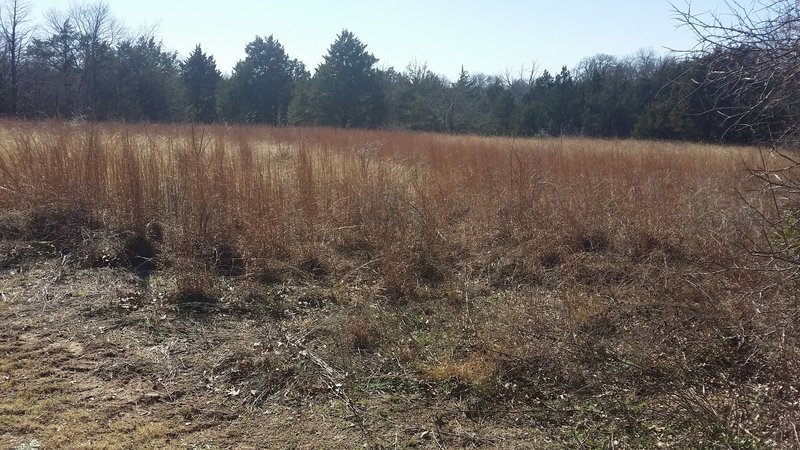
(752, 58)
(16, 34)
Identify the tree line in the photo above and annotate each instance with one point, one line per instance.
(82, 63)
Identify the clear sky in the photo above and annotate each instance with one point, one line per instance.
(483, 36)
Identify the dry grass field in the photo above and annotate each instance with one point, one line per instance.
(179, 287)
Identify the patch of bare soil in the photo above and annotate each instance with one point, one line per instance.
(582, 355)
(95, 358)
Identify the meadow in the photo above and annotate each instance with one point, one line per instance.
(389, 288)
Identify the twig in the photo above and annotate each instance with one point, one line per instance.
(363, 266)
(435, 439)
(332, 379)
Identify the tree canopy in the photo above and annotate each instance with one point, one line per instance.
(345, 86)
(261, 85)
(83, 63)
(201, 79)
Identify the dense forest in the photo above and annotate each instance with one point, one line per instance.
(81, 63)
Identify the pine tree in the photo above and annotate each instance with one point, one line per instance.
(200, 80)
(148, 84)
(347, 92)
(261, 86)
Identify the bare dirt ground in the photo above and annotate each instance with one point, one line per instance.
(102, 357)
(89, 358)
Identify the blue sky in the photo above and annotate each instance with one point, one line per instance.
(483, 36)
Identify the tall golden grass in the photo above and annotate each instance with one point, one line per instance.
(437, 205)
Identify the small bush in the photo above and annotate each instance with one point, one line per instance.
(61, 225)
(595, 241)
(227, 261)
(475, 373)
(253, 299)
(194, 293)
(550, 260)
(361, 334)
(140, 253)
(12, 225)
(313, 266)
(266, 272)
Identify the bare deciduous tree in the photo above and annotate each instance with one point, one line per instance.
(13, 25)
(752, 56)
(63, 44)
(519, 83)
(98, 31)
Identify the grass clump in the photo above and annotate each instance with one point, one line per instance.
(195, 293)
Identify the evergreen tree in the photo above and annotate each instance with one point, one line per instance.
(261, 86)
(346, 92)
(538, 106)
(200, 81)
(149, 86)
(417, 99)
(461, 111)
(500, 107)
(302, 107)
(53, 86)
